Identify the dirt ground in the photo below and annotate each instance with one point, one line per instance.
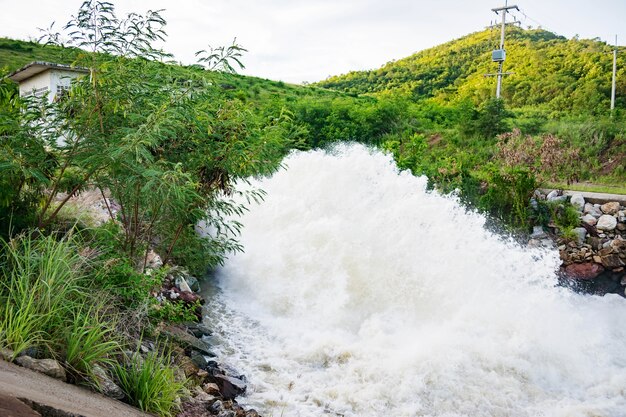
(21, 383)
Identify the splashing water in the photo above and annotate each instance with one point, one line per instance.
(361, 293)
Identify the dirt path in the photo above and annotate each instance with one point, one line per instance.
(18, 382)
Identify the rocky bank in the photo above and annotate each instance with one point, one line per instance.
(594, 258)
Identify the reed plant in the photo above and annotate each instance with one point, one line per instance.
(150, 382)
(89, 341)
(41, 286)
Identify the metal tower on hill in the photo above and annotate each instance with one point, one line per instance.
(499, 55)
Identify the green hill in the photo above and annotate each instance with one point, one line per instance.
(551, 73)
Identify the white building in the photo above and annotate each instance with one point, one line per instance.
(39, 78)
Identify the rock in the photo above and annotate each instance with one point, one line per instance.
(181, 336)
(203, 396)
(606, 222)
(538, 233)
(611, 261)
(181, 284)
(199, 360)
(584, 271)
(105, 384)
(621, 216)
(581, 234)
(188, 366)
(593, 210)
(193, 283)
(252, 413)
(199, 330)
(578, 201)
(6, 354)
(610, 208)
(227, 413)
(553, 195)
(621, 227)
(217, 406)
(589, 219)
(189, 297)
(212, 388)
(48, 367)
(230, 387)
(623, 281)
(154, 261)
(618, 244)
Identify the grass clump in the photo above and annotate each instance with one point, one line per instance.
(150, 383)
(41, 285)
(89, 341)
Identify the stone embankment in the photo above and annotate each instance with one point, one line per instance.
(595, 257)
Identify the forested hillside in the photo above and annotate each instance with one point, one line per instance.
(550, 73)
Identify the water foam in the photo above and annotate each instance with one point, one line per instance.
(361, 293)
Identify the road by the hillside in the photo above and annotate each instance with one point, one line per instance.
(18, 382)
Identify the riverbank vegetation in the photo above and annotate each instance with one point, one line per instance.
(164, 146)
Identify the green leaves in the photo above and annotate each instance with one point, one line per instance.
(222, 58)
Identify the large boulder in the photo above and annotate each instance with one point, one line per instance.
(48, 367)
(606, 222)
(584, 271)
(610, 208)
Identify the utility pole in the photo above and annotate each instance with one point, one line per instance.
(501, 56)
(614, 77)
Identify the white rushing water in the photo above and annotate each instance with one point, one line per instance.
(362, 294)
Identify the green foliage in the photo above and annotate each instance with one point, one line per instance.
(550, 72)
(89, 341)
(488, 121)
(149, 382)
(172, 311)
(42, 282)
(508, 194)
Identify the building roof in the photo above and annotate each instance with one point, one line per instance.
(37, 67)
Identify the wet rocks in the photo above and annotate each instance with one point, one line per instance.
(584, 271)
(596, 250)
(230, 387)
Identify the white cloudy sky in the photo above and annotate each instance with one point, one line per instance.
(308, 40)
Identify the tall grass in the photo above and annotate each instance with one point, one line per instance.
(47, 305)
(40, 286)
(150, 383)
(89, 341)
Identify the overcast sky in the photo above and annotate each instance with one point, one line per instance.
(298, 40)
